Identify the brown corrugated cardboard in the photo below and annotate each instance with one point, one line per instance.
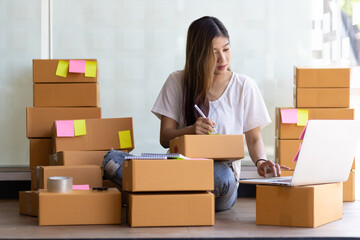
(322, 98)
(217, 147)
(349, 188)
(171, 209)
(322, 77)
(39, 120)
(285, 152)
(109, 184)
(307, 206)
(168, 175)
(68, 158)
(84, 174)
(44, 72)
(39, 151)
(101, 134)
(285, 173)
(292, 131)
(66, 95)
(29, 203)
(80, 207)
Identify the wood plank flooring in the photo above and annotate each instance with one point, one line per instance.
(236, 222)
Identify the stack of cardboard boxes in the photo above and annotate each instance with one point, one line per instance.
(319, 93)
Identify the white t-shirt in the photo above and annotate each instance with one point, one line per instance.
(239, 109)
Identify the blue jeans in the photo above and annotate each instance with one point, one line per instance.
(225, 185)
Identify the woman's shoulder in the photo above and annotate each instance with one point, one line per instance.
(243, 80)
(177, 75)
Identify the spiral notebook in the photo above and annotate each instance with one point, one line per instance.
(163, 156)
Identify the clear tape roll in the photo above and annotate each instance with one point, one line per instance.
(60, 184)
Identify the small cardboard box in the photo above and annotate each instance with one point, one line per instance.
(285, 173)
(349, 188)
(292, 131)
(217, 147)
(40, 149)
(101, 135)
(171, 209)
(39, 120)
(322, 77)
(168, 175)
(322, 97)
(29, 203)
(285, 151)
(81, 207)
(66, 95)
(69, 158)
(84, 174)
(307, 206)
(44, 71)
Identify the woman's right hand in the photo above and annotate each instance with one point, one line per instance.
(203, 126)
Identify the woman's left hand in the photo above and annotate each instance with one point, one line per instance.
(269, 169)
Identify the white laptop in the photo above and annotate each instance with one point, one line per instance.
(326, 155)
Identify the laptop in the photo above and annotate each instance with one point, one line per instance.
(326, 155)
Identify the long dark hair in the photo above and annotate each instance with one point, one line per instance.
(200, 64)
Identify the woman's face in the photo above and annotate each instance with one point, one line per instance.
(222, 53)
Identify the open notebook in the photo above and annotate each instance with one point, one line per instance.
(163, 156)
(326, 155)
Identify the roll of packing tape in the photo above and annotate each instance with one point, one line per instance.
(60, 184)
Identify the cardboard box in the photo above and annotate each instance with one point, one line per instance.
(40, 149)
(101, 135)
(292, 131)
(285, 151)
(322, 97)
(39, 120)
(217, 147)
(69, 158)
(171, 209)
(80, 207)
(349, 188)
(84, 174)
(285, 173)
(322, 77)
(29, 203)
(44, 71)
(307, 206)
(66, 95)
(109, 184)
(168, 175)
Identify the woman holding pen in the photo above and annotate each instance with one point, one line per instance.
(231, 101)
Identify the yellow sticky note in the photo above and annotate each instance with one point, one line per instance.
(79, 127)
(303, 117)
(90, 69)
(62, 68)
(125, 139)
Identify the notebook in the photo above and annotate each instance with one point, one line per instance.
(326, 155)
(163, 156)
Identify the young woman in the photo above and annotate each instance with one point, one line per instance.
(232, 102)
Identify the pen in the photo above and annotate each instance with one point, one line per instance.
(202, 114)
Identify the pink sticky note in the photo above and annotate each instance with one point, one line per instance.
(303, 132)
(289, 115)
(65, 128)
(77, 66)
(81, 187)
(297, 154)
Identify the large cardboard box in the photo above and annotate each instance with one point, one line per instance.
(292, 131)
(307, 206)
(171, 209)
(44, 71)
(84, 174)
(101, 135)
(40, 149)
(217, 147)
(349, 188)
(69, 158)
(306, 77)
(39, 120)
(168, 175)
(29, 203)
(285, 151)
(66, 95)
(80, 207)
(322, 97)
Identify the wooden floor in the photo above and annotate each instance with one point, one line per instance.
(237, 222)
